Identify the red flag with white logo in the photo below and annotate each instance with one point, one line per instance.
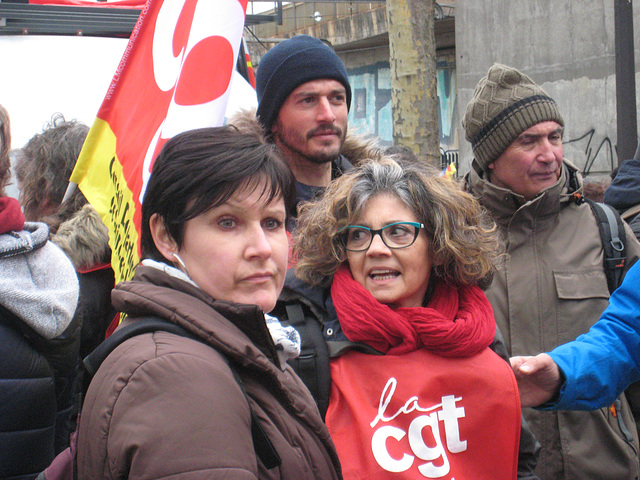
(174, 76)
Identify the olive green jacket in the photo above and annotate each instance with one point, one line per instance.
(550, 288)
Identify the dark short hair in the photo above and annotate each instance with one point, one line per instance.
(201, 169)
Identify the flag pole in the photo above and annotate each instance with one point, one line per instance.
(71, 189)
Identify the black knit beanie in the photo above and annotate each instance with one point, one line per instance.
(288, 65)
(505, 103)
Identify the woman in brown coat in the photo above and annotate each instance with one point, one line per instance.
(214, 251)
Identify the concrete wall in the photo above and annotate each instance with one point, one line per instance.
(371, 111)
(567, 47)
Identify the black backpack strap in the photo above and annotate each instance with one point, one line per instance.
(312, 365)
(265, 450)
(92, 362)
(614, 239)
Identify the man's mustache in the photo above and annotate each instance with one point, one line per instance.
(325, 129)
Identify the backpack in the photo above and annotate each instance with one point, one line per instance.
(63, 466)
(312, 365)
(614, 240)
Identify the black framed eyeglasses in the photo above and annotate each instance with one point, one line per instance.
(357, 238)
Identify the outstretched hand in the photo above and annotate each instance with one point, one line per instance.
(538, 379)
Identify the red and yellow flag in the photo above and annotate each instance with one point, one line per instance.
(174, 76)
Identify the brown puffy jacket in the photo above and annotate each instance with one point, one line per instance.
(164, 406)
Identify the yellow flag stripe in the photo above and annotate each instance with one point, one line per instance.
(106, 189)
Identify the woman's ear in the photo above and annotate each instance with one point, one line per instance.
(161, 237)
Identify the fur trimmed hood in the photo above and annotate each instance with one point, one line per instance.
(357, 148)
(85, 239)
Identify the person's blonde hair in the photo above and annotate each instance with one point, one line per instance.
(463, 240)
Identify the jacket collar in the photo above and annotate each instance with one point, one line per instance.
(504, 203)
(317, 298)
(234, 329)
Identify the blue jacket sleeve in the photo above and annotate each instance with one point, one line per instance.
(599, 365)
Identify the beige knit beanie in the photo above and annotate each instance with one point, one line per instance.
(505, 103)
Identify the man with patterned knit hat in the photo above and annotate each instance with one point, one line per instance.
(551, 286)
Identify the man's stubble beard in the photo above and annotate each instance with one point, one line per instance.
(290, 146)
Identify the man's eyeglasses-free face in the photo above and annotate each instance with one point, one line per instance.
(357, 238)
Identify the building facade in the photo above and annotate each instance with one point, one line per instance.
(358, 33)
(567, 47)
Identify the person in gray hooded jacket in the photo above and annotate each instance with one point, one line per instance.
(38, 298)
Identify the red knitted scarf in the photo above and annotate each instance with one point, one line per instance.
(11, 217)
(457, 322)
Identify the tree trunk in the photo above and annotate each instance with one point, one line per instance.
(412, 51)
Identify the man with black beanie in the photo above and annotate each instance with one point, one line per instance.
(304, 97)
(551, 286)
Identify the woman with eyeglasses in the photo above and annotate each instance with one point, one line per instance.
(392, 261)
